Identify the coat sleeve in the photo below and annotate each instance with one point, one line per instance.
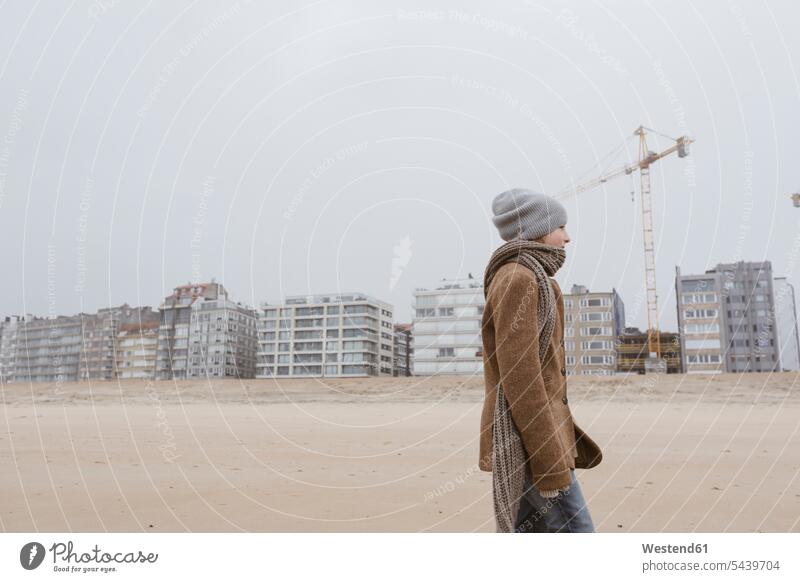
(517, 352)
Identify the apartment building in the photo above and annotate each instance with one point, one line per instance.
(172, 355)
(48, 349)
(338, 334)
(100, 333)
(69, 348)
(203, 333)
(447, 328)
(8, 347)
(403, 350)
(726, 319)
(701, 322)
(592, 323)
(137, 344)
(222, 339)
(786, 320)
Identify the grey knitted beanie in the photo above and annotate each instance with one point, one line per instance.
(525, 214)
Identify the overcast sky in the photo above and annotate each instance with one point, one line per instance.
(332, 146)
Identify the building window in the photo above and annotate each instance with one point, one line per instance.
(588, 360)
(699, 313)
(596, 302)
(703, 359)
(592, 331)
(445, 311)
(597, 316)
(305, 311)
(446, 352)
(596, 345)
(699, 297)
(426, 300)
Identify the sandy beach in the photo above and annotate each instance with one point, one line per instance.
(681, 453)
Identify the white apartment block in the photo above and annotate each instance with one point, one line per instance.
(786, 319)
(592, 322)
(336, 335)
(447, 328)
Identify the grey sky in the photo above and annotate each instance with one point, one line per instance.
(323, 146)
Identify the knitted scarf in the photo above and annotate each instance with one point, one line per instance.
(509, 461)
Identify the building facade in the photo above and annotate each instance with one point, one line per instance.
(702, 323)
(137, 343)
(447, 328)
(222, 339)
(725, 319)
(337, 335)
(786, 320)
(202, 333)
(403, 350)
(99, 346)
(71, 348)
(8, 348)
(592, 323)
(49, 349)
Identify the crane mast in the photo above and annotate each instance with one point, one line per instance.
(653, 334)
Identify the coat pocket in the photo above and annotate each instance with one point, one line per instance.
(589, 453)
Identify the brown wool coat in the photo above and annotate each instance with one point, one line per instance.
(536, 391)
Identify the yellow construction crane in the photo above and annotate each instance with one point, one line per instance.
(646, 158)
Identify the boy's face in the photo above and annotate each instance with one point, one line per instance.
(557, 238)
